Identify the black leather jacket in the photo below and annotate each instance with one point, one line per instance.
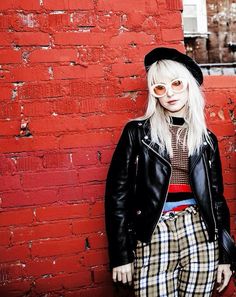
(137, 186)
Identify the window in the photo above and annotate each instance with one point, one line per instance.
(195, 18)
(210, 33)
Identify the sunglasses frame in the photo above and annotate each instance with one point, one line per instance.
(168, 86)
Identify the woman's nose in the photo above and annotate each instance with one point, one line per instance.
(169, 92)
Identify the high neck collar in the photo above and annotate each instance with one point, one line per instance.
(177, 121)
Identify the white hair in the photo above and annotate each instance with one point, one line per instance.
(160, 119)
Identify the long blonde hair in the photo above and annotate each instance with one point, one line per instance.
(160, 119)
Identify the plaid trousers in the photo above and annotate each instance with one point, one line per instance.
(179, 260)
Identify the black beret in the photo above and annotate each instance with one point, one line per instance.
(166, 53)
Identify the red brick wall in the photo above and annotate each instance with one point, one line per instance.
(73, 70)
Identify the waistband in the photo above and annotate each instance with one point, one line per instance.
(171, 215)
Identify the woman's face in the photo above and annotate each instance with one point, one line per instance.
(174, 103)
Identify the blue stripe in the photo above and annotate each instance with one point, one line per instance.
(170, 205)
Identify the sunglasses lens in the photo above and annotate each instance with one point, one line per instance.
(177, 85)
(159, 90)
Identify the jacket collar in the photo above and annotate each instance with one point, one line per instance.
(146, 138)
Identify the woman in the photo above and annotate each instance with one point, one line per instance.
(164, 195)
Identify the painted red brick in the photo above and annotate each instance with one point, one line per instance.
(54, 55)
(74, 69)
(45, 248)
(88, 226)
(47, 179)
(62, 212)
(10, 56)
(43, 231)
(68, 5)
(9, 182)
(13, 253)
(17, 217)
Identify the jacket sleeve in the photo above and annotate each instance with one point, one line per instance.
(119, 187)
(220, 205)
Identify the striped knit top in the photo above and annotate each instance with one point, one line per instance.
(179, 188)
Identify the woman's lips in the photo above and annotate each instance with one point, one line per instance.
(172, 101)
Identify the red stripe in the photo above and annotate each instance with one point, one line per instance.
(174, 188)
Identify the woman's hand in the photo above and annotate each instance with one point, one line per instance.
(123, 273)
(223, 276)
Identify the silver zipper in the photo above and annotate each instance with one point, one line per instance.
(208, 183)
(168, 181)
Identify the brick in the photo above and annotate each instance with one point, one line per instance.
(62, 212)
(7, 166)
(36, 109)
(101, 275)
(14, 199)
(53, 55)
(10, 56)
(6, 39)
(88, 88)
(95, 258)
(68, 72)
(230, 191)
(5, 236)
(25, 74)
(71, 281)
(170, 35)
(131, 84)
(68, 5)
(20, 4)
(81, 38)
(28, 163)
(84, 157)
(94, 192)
(100, 291)
(232, 206)
(106, 156)
(56, 160)
(130, 38)
(9, 128)
(6, 92)
(86, 140)
(77, 280)
(98, 241)
(47, 179)
(97, 209)
(57, 123)
(41, 90)
(127, 69)
(88, 226)
(108, 121)
(17, 217)
(225, 129)
(31, 38)
(54, 22)
(35, 197)
(44, 231)
(15, 253)
(171, 20)
(57, 247)
(92, 174)
(27, 144)
(220, 82)
(9, 110)
(109, 5)
(70, 194)
(66, 106)
(9, 182)
(42, 266)
(16, 288)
